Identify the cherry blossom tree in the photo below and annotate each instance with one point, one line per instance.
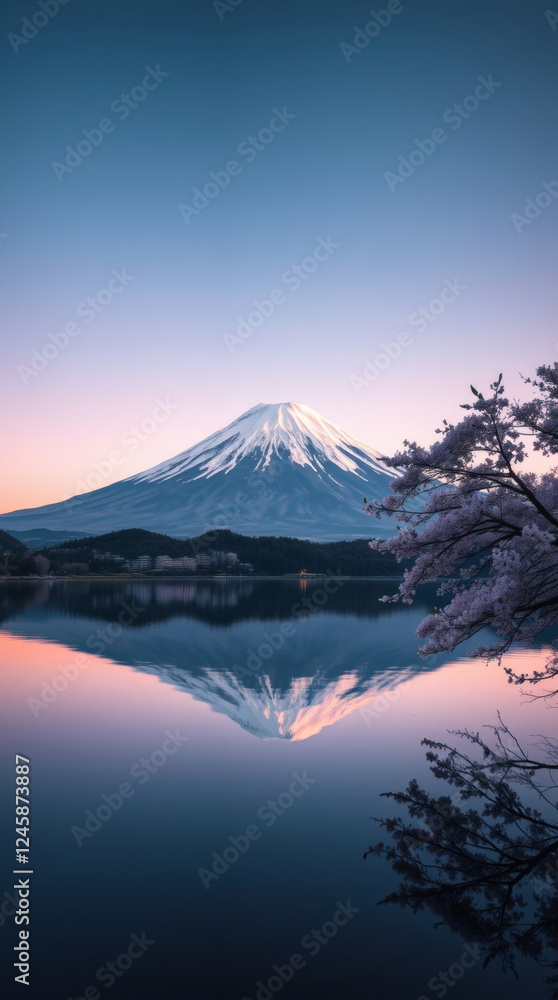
(489, 873)
(475, 516)
(476, 520)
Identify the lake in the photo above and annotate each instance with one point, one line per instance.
(206, 756)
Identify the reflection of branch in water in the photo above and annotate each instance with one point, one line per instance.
(548, 674)
(472, 867)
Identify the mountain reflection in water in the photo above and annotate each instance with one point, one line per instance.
(250, 649)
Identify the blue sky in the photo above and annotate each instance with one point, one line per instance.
(322, 177)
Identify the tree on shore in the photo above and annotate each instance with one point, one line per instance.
(486, 525)
(481, 859)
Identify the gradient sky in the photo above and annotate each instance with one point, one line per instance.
(323, 176)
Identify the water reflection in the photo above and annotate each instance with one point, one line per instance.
(214, 601)
(484, 858)
(282, 659)
(160, 672)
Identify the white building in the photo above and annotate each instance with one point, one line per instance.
(183, 562)
(163, 562)
(141, 564)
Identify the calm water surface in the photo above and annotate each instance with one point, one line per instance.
(259, 698)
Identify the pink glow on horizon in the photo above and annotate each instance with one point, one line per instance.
(64, 434)
(104, 686)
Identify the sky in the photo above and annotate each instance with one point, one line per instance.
(327, 150)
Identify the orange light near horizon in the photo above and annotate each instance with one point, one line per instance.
(410, 704)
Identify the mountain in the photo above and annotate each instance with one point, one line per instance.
(9, 544)
(325, 667)
(307, 706)
(42, 537)
(279, 469)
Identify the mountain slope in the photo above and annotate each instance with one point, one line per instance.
(10, 544)
(279, 469)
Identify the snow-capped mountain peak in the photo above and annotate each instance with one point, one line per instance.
(278, 469)
(288, 430)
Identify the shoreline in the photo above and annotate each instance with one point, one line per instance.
(123, 577)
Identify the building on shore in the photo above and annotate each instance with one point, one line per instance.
(182, 563)
(139, 565)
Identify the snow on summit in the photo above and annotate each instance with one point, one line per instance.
(278, 469)
(288, 430)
